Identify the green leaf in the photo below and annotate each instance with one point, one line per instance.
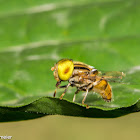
(35, 35)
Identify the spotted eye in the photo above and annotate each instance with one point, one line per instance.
(65, 69)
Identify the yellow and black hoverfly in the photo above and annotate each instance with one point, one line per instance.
(82, 76)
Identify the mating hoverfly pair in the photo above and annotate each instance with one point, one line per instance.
(84, 77)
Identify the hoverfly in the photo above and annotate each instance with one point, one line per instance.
(82, 76)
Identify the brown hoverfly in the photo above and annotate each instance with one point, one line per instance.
(84, 77)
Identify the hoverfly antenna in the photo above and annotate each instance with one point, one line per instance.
(52, 69)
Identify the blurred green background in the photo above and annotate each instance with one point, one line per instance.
(35, 34)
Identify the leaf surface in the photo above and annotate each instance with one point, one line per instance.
(35, 35)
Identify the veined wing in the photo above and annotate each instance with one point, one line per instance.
(112, 76)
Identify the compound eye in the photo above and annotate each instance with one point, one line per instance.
(65, 69)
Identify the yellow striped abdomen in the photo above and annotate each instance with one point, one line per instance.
(104, 89)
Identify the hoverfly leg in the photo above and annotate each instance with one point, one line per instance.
(54, 93)
(59, 87)
(83, 101)
(75, 94)
(57, 84)
(64, 91)
(62, 86)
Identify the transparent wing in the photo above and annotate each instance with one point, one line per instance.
(112, 76)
